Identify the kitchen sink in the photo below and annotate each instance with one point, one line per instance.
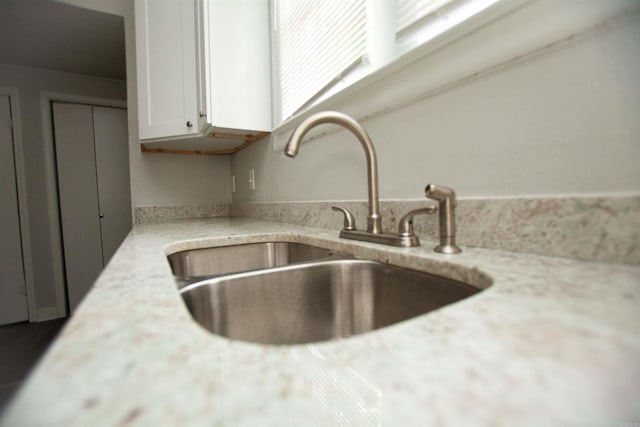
(199, 264)
(317, 301)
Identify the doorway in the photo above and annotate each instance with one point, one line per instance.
(92, 173)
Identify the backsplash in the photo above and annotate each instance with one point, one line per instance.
(603, 229)
(147, 214)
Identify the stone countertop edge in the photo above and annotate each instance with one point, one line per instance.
(549, 341)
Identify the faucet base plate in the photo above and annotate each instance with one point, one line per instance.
(381, 238)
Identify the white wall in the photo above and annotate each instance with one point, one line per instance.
(30, 82)
(166, 179)
(564, 121)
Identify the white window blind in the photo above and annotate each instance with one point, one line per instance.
(317, 42)
(412, 11)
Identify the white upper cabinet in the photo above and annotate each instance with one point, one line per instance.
(203, 66)
(166, 64)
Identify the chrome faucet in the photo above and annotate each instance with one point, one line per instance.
(374, 222)
(374, 231)
(405, 237)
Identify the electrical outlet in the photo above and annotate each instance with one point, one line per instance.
(233, 183)
(252, 179)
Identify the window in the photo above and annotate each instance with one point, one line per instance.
(317, 42)
(413, 11)
(322, 47)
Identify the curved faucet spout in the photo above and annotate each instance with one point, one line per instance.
(374, 223)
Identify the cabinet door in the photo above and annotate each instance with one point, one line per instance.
(166, 67)
(240, 77)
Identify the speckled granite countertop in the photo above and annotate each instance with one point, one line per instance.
(551, 342)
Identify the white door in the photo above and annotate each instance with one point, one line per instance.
(78, 195)
(112, 166)
(92, 155)
(13, 298)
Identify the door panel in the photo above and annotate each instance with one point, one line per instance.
(77, 188)
(13, 299)
(112, 163)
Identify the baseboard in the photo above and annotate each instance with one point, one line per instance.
(49, 313)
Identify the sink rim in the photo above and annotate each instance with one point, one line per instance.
(212, 282)
(429, 261)
(309, 264)
(195, 265)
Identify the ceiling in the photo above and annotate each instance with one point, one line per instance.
(56, 36)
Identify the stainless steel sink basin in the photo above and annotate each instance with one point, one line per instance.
(317, 301)
(198, 264)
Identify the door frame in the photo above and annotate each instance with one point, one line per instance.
(23, 208)
(55, 234)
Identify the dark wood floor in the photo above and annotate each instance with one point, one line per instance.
(21, 346)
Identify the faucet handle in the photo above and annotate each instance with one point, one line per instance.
(405, 226)
(349, 219)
